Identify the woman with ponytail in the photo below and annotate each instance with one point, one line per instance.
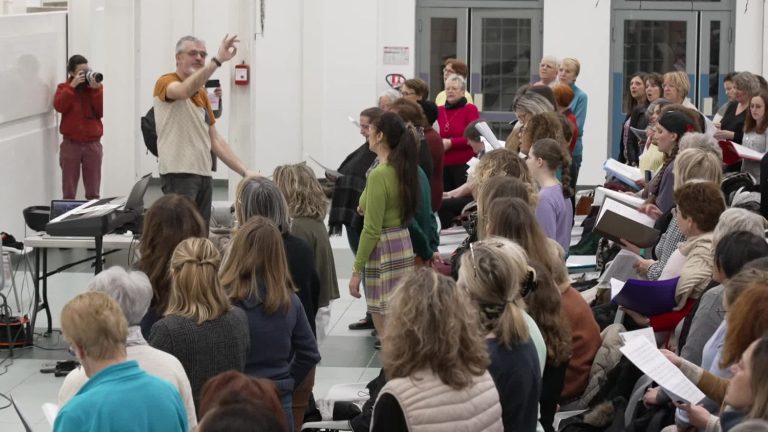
(388, 203)
(554, 210)
(494, 273)
(200, 327)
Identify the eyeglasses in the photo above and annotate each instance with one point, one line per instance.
(195, 53)
(407, 92)
(365, 127)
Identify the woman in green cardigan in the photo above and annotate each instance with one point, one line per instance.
(388, 203)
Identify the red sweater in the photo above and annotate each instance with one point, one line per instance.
(81, 112)
(572, 119)
(435, 144)
(585, 341)
(452, 124)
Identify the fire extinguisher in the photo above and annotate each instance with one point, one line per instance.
(242, 73)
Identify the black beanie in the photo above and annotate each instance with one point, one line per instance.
(430, 110)
(676, 122)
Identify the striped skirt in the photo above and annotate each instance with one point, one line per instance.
(391, 260)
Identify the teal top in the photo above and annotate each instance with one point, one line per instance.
(380, 202)
(423, 227)
(124, 398)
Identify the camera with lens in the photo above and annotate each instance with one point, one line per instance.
(95, 76)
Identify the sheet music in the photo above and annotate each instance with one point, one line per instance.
(75, 210)
(329, 171)
(616, 287)
(601, 193)
(50, 411)
(645, 332)
(652, 362)
(747, 153)
(625, 170)
(487, 133)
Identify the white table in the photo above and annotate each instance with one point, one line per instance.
(40, 244)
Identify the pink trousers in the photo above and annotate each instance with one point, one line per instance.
(76, 154)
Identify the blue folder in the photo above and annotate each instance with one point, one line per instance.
(648, 297)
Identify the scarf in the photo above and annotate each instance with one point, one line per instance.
(458, 104)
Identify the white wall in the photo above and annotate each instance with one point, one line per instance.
(29, 172)
(590, 44)
(750, 36)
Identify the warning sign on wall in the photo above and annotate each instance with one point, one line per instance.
(396, 56)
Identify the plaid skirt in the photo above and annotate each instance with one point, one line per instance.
(392, 259)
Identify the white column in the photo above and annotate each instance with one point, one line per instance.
(583, 31)
(749, 36)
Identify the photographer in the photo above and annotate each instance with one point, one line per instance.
(80, 102)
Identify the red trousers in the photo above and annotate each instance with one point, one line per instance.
(76, 154)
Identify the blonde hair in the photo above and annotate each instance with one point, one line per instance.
(195, 292)
(501, 162)
(95, 323)
(697, 164)
(678, 80)
(571, 63)
(247, 263)
(493, 273)
(302, 191)
(432, 325)
(500, 187)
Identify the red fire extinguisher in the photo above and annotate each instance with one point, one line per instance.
(242, 73)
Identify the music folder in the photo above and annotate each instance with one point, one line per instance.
(618, 221)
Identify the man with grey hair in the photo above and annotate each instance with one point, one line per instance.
(133, 292)
(186, 133)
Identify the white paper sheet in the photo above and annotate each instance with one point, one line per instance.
(652, 362)
(487, 133)
(602, 193)
(329, 171)
(626, 211)
(645, 332)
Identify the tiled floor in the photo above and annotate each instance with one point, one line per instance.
(347, 356)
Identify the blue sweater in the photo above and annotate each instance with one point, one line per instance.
(517, 375)
(283, 347)
(124, 398)
(579, 108)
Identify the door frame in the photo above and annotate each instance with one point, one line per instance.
(424, 30)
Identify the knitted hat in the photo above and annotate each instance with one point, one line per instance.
(676, 122)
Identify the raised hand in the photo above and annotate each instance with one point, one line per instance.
(227, 49)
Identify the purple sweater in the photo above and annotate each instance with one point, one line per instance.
(555, 215)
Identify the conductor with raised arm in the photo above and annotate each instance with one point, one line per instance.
(186, 132)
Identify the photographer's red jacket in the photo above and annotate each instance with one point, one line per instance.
(81, 111)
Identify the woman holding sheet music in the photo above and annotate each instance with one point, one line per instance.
(755, 132)
(670, 128)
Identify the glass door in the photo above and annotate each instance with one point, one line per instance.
(441, 34)
(505, 48)
(649, 41)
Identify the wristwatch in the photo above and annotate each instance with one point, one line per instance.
(215, 60)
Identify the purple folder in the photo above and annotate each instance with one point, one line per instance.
(647, 297)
